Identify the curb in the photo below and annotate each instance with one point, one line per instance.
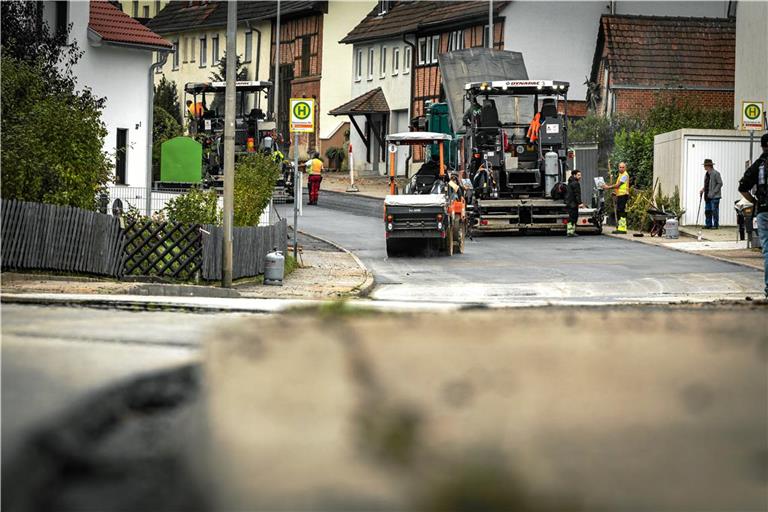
(363, 289)
(641, 240)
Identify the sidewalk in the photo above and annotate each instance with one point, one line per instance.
(720, 244)
(323, 274)
(371, 186)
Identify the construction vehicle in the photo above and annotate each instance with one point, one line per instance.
(518, 166)
(513, 142)
(254, 131)
(432, 207)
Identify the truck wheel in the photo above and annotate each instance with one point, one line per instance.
(461, 235)
(449, 241)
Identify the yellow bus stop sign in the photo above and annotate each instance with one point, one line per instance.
(302, 115)
(752, 115)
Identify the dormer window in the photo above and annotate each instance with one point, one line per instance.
(383, 7)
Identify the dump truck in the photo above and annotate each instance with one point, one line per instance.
(513, 142)
(432, 207)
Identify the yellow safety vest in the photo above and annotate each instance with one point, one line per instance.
(623, 189)
(315, 166)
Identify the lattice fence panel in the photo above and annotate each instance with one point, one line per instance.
(163, 249)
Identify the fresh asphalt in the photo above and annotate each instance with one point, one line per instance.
(513, 269)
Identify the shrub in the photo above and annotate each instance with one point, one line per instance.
(634, 144)
(335, 156)
(52, 141)
(167, 98)
(255, 178)
(194, 207)
(641, 200)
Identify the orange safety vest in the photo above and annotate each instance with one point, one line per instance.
(195, 109)
(533, 130)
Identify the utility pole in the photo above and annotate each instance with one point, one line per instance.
(229, 144)
(276, 84)
(490, 23)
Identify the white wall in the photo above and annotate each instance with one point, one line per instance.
(121, 76)
(682, 166)
(396, 88)
(557, 39)
(706, 9)
(342, 17)
(751, 56)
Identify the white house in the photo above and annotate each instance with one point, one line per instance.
(116, 65)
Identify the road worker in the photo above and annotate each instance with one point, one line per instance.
(573, 201)
(621, 197)
(314, 168)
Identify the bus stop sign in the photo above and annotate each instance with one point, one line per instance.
(302, 115)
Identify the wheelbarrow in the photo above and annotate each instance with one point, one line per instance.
(658, 219)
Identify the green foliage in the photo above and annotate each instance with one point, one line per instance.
(255, 178)
(220, 75)
(335, 156)
(194, 207)
(164, 127)
(52, 138)
(634, 145)
(592, 128)
(640, 201)
(167, 98)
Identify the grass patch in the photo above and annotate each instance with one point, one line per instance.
(335, 309)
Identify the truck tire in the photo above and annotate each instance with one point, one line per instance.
(448, 242)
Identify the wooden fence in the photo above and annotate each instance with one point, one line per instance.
(164, 249)
(49, 237)
(250, 247)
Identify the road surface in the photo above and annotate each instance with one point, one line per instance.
(525, 270)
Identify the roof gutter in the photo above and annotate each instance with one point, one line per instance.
(670, 88)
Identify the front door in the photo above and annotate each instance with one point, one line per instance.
(121, 156)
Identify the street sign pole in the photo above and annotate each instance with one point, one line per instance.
(296, 196)
(229, 146)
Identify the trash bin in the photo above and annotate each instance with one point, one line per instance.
(274, 268)
(671, 228)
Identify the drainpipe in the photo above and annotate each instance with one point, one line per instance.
(412, 73)
(258, 48)
(151, 121)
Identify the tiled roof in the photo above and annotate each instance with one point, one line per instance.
(410, 16)
(674, 52)
(372, 102)
(183, 15)
(114, 26)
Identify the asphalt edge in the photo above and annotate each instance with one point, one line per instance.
(101, 301)
(641, 240)
(363, 289)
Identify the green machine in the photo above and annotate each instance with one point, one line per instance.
(181, 161)
(439, 121)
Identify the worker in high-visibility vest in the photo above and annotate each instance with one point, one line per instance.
(621, 198)
(314, 168)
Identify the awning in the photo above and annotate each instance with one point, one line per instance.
(371, 102)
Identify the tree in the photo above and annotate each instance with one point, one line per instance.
(221, 76)
(167, 98)
(52, 134)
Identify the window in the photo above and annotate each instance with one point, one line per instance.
(145, 11)
(428, 48)
(176, 55)
(215, 50)
(407, 60)
(121, 155)
(158, 8)
(395, 61)
(383, 62)
(248, 46)
(359, 66)
(192, 49)
(135, 8)
(456, 40)
(370, 64)
(306, 48)
(184, 51)
(62, 17)
(383, 7)
(485, 36)
(203, 52)
(158, 69)
(423, 46)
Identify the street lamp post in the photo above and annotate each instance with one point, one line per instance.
(229, 144)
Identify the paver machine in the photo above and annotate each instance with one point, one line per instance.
(518, 163)
(432, 205)
(254, 128)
